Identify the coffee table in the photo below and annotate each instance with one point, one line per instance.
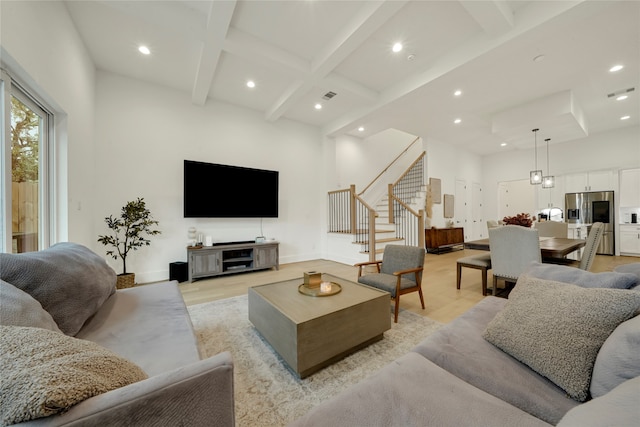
(309, 332)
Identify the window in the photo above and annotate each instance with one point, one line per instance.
(25, 169)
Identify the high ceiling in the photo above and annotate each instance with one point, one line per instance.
(298, 51)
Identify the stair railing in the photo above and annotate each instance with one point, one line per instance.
(409, 224)
(349, 213)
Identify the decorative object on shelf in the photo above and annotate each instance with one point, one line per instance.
(436, 189)
(129, 230)
(522, 219)
(192, 236)
(448, 206)
(535, 176)
(548, 181)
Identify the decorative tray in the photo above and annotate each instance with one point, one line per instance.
(318, 292)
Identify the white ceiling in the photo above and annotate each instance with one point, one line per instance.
(296, 51)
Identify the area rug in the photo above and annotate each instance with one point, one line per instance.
(269, 394)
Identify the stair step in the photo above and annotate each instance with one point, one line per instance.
(390, 239)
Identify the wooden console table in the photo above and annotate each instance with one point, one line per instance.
(438, 240)
(233, 257)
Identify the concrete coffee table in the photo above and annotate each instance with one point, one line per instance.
(309, 332)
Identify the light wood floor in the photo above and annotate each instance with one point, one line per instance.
(443, 301)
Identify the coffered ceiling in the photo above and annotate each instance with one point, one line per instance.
(518, 64)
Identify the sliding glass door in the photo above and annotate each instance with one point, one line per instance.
(24, 173)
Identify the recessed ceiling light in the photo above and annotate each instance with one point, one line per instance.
(251, 84)
(616, 68)
(457, 121)
(504, 144)
(625, 117)
(621, 98)
(458, 92)
(144, 50)
(360, 129)
(397, 47)
(318, 106)
(538, 58)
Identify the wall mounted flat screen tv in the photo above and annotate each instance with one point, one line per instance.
(222, 191)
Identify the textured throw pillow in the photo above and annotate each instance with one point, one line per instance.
(558, 328)
(69, 280)
(586, 279)
(18, 308)
(50, 372)
(618, 360)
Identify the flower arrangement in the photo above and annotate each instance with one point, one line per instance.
(522, 219)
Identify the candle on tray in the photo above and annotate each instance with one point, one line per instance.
(325, 287)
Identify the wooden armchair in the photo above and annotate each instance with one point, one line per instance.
(399, 273)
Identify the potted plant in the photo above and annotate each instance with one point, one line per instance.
(522, 219)
(129, 232)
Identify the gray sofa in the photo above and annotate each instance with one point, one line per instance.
(142, 338)
(466, 374)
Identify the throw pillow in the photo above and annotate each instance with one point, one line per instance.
(558, 328)
(586, 279)
(50, 372)
(69, 280)
(18, 308)
(619, 358)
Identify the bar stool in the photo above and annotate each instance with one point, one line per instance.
(479, 262)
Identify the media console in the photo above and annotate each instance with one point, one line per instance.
(232, 257)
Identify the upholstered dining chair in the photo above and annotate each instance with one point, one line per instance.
(552, 229)
(593, 240)
(399, 273)
(513, 247)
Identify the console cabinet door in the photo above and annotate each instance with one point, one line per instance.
(266, 256)
(206, 263)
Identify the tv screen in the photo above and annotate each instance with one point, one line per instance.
(221, 191)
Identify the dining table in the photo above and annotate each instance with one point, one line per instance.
(550, 247)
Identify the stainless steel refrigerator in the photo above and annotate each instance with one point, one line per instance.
(587, 208)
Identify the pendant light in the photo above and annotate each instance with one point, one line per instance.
(535, 176)
(548, 181)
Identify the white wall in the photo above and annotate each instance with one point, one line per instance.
(41, 48)
(619, 149)
(449, 163)
(143, 134)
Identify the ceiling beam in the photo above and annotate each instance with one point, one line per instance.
(370, 18)
(537, 14)
(218, 22)
(495, 17)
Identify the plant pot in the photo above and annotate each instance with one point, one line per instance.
(126, 281)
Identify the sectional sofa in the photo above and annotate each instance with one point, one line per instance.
(77, 351)
(562, 350)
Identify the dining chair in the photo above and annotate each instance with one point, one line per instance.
(480, 262)
(399, 273)
(513, 247)
(593, 240)
(552, 229)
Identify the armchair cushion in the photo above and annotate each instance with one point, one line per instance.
(386, 282)
(557, 328)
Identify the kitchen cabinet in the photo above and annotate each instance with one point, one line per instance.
(589, 181)
(552, 197)
(577, 232)
(630, 240)
(630, 188)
